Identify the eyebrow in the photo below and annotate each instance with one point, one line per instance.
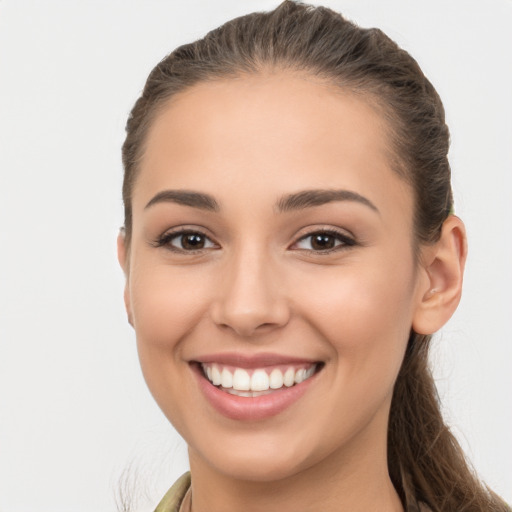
(291, 202)
(310, 198)
(186, 198)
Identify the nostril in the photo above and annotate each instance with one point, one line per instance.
(249, 322)
(249, 330)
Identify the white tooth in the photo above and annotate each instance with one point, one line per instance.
(239, 393)
(232, 391)
(276, 379)
(300, 376)
(209, 372)
(216, 376)
(289, 377)
(227, 379)
(310, 371)
(241, 380)
(259, 380)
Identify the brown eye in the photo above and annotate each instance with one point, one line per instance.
(186, 241)
(324, 241)
(192, 241)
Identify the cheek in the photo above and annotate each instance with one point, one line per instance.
(365, 319)
(365, 315)
(166, 303)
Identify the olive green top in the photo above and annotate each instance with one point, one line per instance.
(174, 497)
(178, 498)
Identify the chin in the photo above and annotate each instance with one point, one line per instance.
(271, 469)
(258, 460)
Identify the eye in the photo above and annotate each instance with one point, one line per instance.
(186, 241)
(323, 241)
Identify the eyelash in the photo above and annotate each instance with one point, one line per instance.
(345, 241)
(166, 239)
(341, 240)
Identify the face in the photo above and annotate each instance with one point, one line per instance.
(271, 278)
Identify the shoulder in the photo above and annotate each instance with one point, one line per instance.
(172, 500)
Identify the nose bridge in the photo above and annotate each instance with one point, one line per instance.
(250, 299)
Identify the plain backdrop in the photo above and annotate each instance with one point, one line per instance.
(75, 414)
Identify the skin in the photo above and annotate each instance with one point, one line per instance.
(259, 286)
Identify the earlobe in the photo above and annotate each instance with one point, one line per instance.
(122, 257)
(443, 264)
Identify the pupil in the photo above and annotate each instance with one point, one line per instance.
(322, 242)
(192, 241)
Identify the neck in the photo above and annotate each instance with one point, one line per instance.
(354, 478)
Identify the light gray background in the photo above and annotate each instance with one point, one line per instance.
(74, 410)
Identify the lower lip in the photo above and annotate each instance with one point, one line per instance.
(255, 408)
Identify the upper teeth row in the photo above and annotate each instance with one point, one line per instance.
(260, 380)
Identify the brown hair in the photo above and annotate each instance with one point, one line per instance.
(423, 456)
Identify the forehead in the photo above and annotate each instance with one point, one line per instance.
(273, 133)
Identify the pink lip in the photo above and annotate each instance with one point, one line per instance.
(252, 361)
(250, 408)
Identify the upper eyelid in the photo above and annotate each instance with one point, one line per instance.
(301, 235)
(324, 229)
(347, 240)
(171, 233)
(187, 229)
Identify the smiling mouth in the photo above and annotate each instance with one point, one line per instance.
(258, 381)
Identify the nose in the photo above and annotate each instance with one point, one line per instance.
(250, 299)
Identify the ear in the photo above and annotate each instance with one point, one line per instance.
(122, 256)
(443, 264)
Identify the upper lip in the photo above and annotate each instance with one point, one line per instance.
(253, 360)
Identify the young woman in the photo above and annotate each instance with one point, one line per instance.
(289, 247)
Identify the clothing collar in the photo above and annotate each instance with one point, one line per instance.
(175, 498)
